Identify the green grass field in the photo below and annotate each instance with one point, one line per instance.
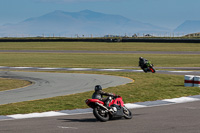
(100, 46)
(147, 87)
(95, 60)
(9, 84)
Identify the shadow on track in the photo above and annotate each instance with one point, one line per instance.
(92, 119)
(79, 120)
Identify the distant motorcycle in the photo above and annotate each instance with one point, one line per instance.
(148, 68)
(116, 109)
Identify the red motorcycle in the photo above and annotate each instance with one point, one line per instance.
(116, 109)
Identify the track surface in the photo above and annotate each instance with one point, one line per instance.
(177, 118)
(47, 85)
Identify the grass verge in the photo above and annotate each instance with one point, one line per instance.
(9, 84)
(147, 87)
(100, 46)
(95, 60)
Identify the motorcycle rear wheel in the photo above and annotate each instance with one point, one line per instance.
(100, 114)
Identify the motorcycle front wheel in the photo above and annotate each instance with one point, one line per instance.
(101, 114)
(127, 113)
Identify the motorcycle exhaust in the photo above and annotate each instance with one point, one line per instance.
(111, 111)
(102, 106)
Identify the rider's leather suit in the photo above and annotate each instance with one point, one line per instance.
(99, 95)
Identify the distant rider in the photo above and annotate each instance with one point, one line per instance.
(143, 63)
(98, 94)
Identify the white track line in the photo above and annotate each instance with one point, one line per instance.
(89, 69)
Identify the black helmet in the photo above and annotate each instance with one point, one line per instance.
(98, 88)
(141, 58)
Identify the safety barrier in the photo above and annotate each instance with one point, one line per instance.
(189, 81)
(192, 81)
(197, 81)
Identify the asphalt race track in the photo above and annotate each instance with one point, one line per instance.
(177, 118)
(47, 85)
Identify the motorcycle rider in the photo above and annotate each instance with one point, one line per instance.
(143, 63)
(98, 94)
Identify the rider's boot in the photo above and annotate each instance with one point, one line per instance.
(145, 70)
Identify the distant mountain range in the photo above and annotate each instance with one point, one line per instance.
(189, 26)
(82, 23)
(85, 22)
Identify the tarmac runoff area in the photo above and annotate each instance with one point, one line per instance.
(92, 80)
(46, 85)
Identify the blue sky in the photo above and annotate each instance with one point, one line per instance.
(165, 13)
